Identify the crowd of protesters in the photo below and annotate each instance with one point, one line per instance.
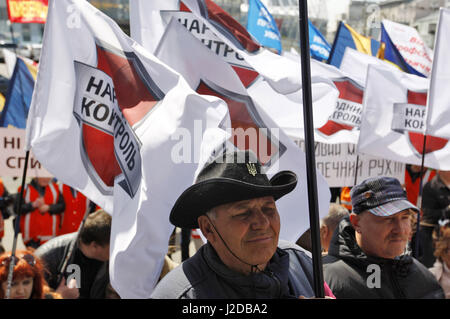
(371, 225)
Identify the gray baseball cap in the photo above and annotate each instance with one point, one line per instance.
(382, 196)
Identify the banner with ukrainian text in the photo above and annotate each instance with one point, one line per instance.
(27, 11)
(394, 120)
(12, 156)
(341, 165)
(107, 118)
(405, 48)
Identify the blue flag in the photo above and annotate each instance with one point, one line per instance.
(18, 97)
(262, 26)
(318, 45)
(348, 37)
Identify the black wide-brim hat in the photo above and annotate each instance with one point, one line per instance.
(229, 178)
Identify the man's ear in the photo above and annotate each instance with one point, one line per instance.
(205, 226)
(354, 220)
(324, 231)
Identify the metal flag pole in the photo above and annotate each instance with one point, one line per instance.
(416, 244)
(356, 170)
(71, 250)
(17, 228)
(309, 150)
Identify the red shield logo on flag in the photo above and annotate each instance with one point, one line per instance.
(432, 143)
(249, 130)
(348, 109)
(112, 97)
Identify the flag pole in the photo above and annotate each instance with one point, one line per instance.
(356, 170)
(309, 150)
(17, 228)
(416, 244)
(71, 251)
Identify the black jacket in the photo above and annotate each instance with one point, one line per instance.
(350, 272)
(204, 276)
(435, 201)
(94, 275)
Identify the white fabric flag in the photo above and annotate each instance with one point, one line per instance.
(355, 64)
(438, 120)
(10, 61)
(224, 37)
(222, 34)
(107, 118)
(287, 110)
(208, 74)
(410, 46)
(344, 119)
(394, 119)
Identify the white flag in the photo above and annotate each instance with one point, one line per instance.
(222, 34)
(344, 119)
(355, 64)
(208, 74)
(10, 62)
(438, 121)
(263, 73)
(408, 43)
(394, 120)
(107, 118)
(286, 110)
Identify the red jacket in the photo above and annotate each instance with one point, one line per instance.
(412, 187)
(37, 226)
(77, 205)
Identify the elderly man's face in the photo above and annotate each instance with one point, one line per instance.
(384, 237)
(250, 228)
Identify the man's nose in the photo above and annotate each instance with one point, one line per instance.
(259, 219)
(402, 226)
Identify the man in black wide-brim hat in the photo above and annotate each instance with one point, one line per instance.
(233, 204)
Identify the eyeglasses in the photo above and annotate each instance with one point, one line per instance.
(27, 257)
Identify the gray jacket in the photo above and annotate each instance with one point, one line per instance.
(204, 276)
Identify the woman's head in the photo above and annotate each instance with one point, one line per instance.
(442, 250)
(28, 280)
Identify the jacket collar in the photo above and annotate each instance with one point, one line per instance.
(270, 283)
(343, 246)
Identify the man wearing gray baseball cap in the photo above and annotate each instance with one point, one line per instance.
(367, 257)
